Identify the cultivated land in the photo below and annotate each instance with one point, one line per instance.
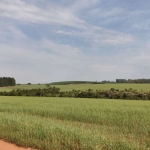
(75, 124)
(23, 86)
(121, 86)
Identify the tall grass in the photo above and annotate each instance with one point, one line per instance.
(75, 124)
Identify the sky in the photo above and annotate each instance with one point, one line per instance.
(43, 41)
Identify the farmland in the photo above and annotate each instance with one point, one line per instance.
(138, 87)
(23, 86)
(72, 123)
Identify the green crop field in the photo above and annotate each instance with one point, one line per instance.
(23, 86)
(75, 124)
(138, 87)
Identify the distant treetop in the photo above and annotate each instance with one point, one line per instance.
(133, 81)
(7, 81)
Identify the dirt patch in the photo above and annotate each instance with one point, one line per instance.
(8, 146)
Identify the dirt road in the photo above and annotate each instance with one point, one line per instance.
(8, 146)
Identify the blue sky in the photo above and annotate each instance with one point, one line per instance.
(46, 41)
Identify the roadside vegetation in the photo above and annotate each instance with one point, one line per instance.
(75, 124)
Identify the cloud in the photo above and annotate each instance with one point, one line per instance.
(100, 35)
(79, 5)
(27, 59)
(59, 49)
(144, 25)
(10, 33)
(103, 68)
(29, 13)
(45, 41)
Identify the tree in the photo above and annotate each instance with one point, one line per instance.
(7, 81)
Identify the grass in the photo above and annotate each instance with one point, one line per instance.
(138, 87)
(75, 124)
(23, 86)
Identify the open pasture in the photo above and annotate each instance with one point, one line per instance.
(138, 87)
(75, 124)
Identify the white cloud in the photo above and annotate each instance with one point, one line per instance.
(100, 35)
(83, 4)
(57, 54)
(10, 33)
(103, 68)
(28, 13)
(59, 49)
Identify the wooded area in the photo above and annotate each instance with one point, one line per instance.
(7, 81)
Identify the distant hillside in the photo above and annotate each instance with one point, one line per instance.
(74, 82)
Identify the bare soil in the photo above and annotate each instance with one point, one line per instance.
(8, 146)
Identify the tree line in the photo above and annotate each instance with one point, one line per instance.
(7, 81)
(75, 82)
(128, 94)
(133, 81)
(102, 82)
